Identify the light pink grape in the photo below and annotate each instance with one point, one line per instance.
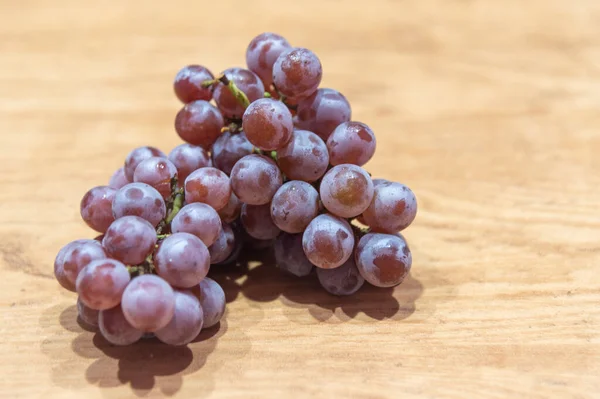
(148, 303)
(346, 190)
(247, 82)
(187, 158)
(200, 220)
(186, 323)
(294, 206)
(188, 84)
(255, 179)
(297, 73)
(96, 208)
(115, 328)
(262, 52)
(384, 260)
(268, 124)
(232, 210)
(343, 280)
(77, 255)
(230, 148)
(157, 173)
(136, 156)
(208, 185)
(304, 158)
(257, 222)
(323, 111)
(118, 179)
(393, 208)
(351, 142)
(101, 283)
(182, 260)
(199, 123)
(139, 199)
(212, 300)
(224, 245)
(86, 314)
(130, 239)
(328, 241)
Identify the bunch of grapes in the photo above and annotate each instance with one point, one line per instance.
(270, 160)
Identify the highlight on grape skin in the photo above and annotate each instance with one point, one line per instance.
(275, 165)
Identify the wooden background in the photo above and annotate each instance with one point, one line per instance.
(488, 109)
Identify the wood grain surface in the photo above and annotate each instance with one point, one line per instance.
(488, 109)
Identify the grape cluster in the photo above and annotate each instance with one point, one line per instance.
(270, 160)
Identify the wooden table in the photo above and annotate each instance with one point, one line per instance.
(488, 109)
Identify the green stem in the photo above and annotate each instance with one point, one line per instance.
(237, 93)
(162, 236)
(273, 155)
(268, 95)
(177, 205)
(208, 83)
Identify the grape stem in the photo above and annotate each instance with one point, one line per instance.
(237, 93)
(162, 236)
(273, 155)
(268, 95)
(177, 205)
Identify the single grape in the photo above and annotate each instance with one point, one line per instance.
(86, 314)
(384, 260)
(187, 158)
(294, 205)
(208, 185)
(297, 73)
(139, 199)
(199, 123)
(268, 124)
(130, 239)
(158, 173)
(343, 280)
(257, 222)
(393, 208)
(328, 241)
(346, 190)
(59, 266)
(323, 111)
(188, 84)
(186, 323)
(76, 256)
(212, 300)
(238, 244)
(148, 303)
(289, 255)
(115, 328)
(232, 210)
(101, 283)
(351, 142)
(230, 148)
(138, 155)
(255, 179)
(247, 82)
(223, 246)
(200, 220)
(182, 260)
(96, 208)
(118, 179)
(304, 158)
(262, 52)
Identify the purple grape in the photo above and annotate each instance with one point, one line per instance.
(257, 222)
(384, 260)
(343, 280)
(101, 283)
(74, 257)
(268, 124)
(255, 179)
(115, 328)
(96, 208)
(224, 245)
(393, 208)
(87, 315)
(247, 82)
(188, 84)
(59, 267)
(230, 148)
(294, 206)
(148, 303)
(323, 111)
(328, 241)
(118, 179)
(187, 158)
(186, 323)
(182, 260)
(232, 210)
(157, 173)
(297, 73)
(200, 220)
(304, 158)
(351, 142)
(130, 239)
(139, 199)
(212, 300)
(289, 255)
(262, 52)
(138, 155)
(199, 123)
(346, 190)
(208, 185)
